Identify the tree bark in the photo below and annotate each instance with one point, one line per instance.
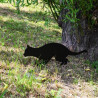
(77, 39)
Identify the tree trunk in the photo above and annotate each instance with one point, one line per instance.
(77, 39)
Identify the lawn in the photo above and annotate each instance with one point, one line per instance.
(20, 77)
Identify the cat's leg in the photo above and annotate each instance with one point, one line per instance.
(58, 58)
(61, 59)
(45, 60)
(64, 61)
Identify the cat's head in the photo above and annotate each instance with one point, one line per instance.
(27, 51)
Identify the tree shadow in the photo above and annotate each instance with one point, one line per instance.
(74, 70)
(20, 26)
(69, 73)
(12, 56)
(14, 32)
(12, 26)
(31, 16)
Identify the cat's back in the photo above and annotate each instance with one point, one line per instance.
(54, 46)
(51, 45)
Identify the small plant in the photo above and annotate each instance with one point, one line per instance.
(75, 81)
(55, 94)
(91, 80)
(3, 93)
(95, 65)
(87, 62)
(47, 22)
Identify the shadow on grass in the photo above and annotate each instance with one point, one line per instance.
(11, 56)
(19, 33)
(12, 26)
(21, 26)
(74, 71)
(34, 16)
(13, 29)
(70, 73)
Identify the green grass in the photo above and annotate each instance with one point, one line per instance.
(20, 77)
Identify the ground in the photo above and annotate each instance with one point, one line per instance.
(20, 77)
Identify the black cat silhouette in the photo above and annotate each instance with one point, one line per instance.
(46, 52)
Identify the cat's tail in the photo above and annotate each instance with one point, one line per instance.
(76, 53)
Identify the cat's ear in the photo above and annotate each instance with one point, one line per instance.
(28, 46)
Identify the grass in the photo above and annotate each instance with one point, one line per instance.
(20, 77)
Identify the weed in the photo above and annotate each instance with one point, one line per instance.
(95, 65)
(3, 93)
(75, 81)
